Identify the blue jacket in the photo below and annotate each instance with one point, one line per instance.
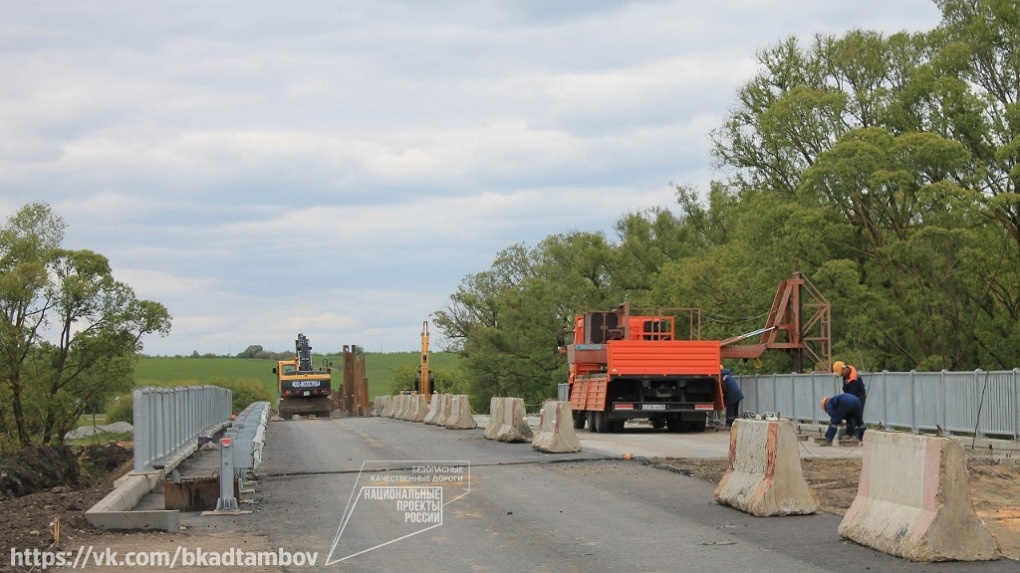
(843, 407)
(731, 391)
(854, 384)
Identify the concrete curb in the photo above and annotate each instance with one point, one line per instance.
(114, 510)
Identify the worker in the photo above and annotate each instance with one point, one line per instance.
(852, 381)
(732, 395)
(839, 408)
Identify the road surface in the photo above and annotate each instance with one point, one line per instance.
(379, 494)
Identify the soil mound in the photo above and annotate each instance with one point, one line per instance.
(39, 468)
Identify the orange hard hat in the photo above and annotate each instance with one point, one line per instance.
(824, 400)
(837, 367)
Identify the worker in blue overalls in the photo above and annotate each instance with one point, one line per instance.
(732, 395)
(843, 407)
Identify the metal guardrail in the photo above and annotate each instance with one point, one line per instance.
(978, 403)
(248, 434)
(241, 451)
(169, 420)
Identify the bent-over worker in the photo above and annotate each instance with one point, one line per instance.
(839, 408)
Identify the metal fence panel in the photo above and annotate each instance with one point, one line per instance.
(167, 420)
(975, 403)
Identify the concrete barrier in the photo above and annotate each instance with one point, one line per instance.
(460, 417)
(440, 403)
(379, 404)
(765, 476)
(513, 425)
(419, 408)
(430, 416)
(403, 405)
(914, 501)
(447, 410)
(398, 406)
(556, 429)
(495, 418)
(390, 407)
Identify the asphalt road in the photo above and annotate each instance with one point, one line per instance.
(378, 494)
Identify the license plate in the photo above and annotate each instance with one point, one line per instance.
(653, 407)
(307, 393)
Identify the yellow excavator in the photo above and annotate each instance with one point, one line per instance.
(303, 389)
(424, 380)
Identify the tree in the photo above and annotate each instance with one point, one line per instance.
(504, 321)
(96, 321)
(898, 149)
(253, 351)
(29, 243)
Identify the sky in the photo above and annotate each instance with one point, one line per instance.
(338, 168)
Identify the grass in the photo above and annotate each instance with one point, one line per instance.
(86, 420)
(102, 439)
(379, 369)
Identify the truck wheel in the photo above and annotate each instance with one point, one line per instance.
(599, 423)
(673, 424)
(579, 419)
(696, 426)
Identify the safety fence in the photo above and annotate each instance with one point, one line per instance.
(978, 403)
(169, 420)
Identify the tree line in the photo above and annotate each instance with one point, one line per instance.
(882, 167)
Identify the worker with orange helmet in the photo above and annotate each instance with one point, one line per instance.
(839, 408)
(853, 383)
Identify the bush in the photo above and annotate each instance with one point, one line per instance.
(121, 409)
(245, 392)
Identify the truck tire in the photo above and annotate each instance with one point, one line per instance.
(579, 419)
(599, 423)
(674, 423)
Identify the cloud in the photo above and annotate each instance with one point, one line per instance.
(338, 168)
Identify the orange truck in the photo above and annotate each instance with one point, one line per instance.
(624, 366)
(652, 364)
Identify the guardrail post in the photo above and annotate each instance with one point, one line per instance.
(1016, 403)
(885, 397)
(913, 404)
(141, 430)
(226, 501)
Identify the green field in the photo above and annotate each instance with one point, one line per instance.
(379, 368)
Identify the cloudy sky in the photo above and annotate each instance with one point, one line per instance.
(336, 168)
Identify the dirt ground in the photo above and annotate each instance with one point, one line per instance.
(995, 489)
(84, 474)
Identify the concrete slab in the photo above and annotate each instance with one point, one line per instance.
(163, 520)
